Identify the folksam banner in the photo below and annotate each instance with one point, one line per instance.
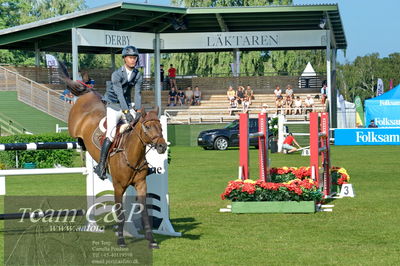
(384, 109)
(367, 136)
(359, 112)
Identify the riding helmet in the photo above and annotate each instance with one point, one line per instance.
(130, 50)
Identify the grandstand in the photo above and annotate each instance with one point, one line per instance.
(214, 107)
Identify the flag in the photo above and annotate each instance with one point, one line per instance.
(51, 61)
(391, 84)
(359, 112)
(379, 87)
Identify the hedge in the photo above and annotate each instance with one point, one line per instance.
(42, 158)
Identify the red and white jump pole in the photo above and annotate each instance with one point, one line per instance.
(319, 146)
(244, 137)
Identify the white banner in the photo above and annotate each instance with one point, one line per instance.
(379, 87)
(116, 39)
(205, 40)
(249, 39)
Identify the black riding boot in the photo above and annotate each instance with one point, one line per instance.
(100, 169)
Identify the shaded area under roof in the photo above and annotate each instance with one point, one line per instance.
(54, 34)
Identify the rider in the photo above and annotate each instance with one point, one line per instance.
(118, 100)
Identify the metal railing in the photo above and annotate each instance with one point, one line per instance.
(36, 94)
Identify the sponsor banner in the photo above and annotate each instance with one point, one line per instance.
(206, 40)
(245, 39)
(367, 136)
(359, 112)
(116, 39)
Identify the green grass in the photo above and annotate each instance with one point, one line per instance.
(30, 118)
(360, 231)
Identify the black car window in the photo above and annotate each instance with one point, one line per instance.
(232, 125)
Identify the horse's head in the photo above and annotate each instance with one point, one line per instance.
(152, 131)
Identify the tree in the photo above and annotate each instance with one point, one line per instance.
(17, 12)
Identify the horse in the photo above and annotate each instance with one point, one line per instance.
(127, 167)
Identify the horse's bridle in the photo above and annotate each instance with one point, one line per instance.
(152, 144)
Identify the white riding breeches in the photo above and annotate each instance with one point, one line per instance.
(113, 117)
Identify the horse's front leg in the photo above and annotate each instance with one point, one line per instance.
(141, 190)
(118, 193)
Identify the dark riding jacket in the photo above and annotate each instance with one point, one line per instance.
(118, 93)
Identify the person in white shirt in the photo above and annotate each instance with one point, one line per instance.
(277, 92)
(298, 104)
(309, 104)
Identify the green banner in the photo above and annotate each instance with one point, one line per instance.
(359, 112)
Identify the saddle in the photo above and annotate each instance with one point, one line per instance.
(99, 136)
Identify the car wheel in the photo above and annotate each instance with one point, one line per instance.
(221, 143)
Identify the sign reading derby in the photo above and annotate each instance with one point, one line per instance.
(117, 39)
(249, 39)
(367, 136)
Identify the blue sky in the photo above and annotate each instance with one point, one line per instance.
(370, 26)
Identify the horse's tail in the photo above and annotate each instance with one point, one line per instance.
(76, 88)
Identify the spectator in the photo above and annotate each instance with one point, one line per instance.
(372, 124)
(162, 76)
(233, 106)
(298, 105)
(67, 96)
(288, 144)
(181, 97)
(249, 93)
(277, 92)
(172, 95)
(172, 76)
(246, 103)
(196, 96)
(289, 92)
(323, 92)
(288, 105)
(231, 94)
(279, 104)
(309, 104)
(240, 94)
(264, 108)
(189, 95)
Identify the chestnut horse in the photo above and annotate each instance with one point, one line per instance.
(128, 167)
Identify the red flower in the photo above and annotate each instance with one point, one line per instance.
(249, 188)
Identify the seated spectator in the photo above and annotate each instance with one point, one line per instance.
(309, 104)
(231, 94)
(233, 106)
(180, 97)
(196, 96)
(372, 124)
(288, 144)
(172, 97)
(279, 104)
(277, 92)
(67, 96)
(246, 103)
(323, 92)
(249, 93)
(289, 92)
(264, 108)
(189, 95)
(288, 105)
(240, 94)
(298, 105)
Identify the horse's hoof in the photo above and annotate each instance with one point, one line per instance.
(154, 245)
(121, 242)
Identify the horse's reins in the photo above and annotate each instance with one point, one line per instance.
(140, 166)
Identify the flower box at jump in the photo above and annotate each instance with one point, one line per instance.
(286, 189)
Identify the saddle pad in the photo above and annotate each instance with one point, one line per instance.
(98, 138)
